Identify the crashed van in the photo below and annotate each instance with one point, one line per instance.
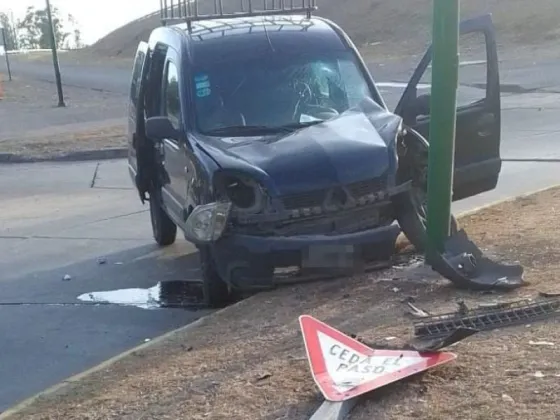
(264, 138)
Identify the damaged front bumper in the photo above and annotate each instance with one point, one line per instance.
(247, 260)
(336, 241)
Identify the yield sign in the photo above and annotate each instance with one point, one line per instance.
(344, 368)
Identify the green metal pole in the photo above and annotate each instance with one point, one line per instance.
(445, 74)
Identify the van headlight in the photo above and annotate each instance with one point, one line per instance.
(207, 222)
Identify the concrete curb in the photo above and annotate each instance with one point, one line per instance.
(327, 411)
(84, 155)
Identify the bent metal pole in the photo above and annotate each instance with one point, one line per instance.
(55, 57)
(445, 70)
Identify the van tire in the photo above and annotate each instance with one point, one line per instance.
(163, 228)
(411, 216)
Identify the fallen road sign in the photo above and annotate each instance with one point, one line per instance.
(343, 368)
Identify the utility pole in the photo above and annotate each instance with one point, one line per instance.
(55, 58)
(445, 75)
(5, 44)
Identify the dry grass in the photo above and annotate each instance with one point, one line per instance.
(32, 126)
(247, 362)
(50, 145)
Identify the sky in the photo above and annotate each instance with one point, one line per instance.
(96, 18)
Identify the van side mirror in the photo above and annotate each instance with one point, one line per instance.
(159, 128)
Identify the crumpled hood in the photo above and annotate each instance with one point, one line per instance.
(357, 145)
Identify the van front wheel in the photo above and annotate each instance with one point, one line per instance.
(163, 228)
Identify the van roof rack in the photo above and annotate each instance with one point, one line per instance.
(181, 11)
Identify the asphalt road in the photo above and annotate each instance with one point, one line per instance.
(54, 223)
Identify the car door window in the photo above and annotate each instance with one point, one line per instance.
(473, 71)
(136, 75)
(171, 99)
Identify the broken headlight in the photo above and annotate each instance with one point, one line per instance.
(207, 222)
(245, 194)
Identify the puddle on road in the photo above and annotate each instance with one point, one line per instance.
(168, 294)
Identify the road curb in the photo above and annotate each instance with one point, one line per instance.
(79, 156)
(327, 411)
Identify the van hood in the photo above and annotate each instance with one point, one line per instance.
(358, 145)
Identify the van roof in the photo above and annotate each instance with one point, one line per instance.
(225, 38)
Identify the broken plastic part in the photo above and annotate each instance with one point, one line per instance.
(464, 264)
(423, 344)
(415, 311)
(434, 344)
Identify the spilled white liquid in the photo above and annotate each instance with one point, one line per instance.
(140, 298)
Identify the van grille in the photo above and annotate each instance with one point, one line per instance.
(317, 198)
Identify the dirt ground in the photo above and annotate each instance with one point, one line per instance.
(248, 361)
(31, 124)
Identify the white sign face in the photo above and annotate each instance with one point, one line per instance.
(344, 368)
(349, 369)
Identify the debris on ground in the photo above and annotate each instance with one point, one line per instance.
(493, 376)
(540, 343)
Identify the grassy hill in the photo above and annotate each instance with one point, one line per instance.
(394, 23)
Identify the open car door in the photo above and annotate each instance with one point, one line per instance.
(136, 106)
(477, 144)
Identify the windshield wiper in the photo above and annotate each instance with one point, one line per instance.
(259, 129)
(297, 126)
(246, 129)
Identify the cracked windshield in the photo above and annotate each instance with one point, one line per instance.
(284, 92)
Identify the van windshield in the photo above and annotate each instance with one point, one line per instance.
(281, 92)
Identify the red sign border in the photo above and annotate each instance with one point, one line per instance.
(311, 326)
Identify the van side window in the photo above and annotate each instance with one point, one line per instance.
(172, 102)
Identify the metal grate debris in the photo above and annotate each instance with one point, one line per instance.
(490, 318)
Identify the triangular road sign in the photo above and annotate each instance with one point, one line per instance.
(344, 368)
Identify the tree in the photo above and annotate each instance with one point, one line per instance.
(11, 41)
(35, 28)
(76, 33)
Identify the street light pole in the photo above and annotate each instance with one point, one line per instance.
(55, 57)
(5, 44)
(445, 75)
